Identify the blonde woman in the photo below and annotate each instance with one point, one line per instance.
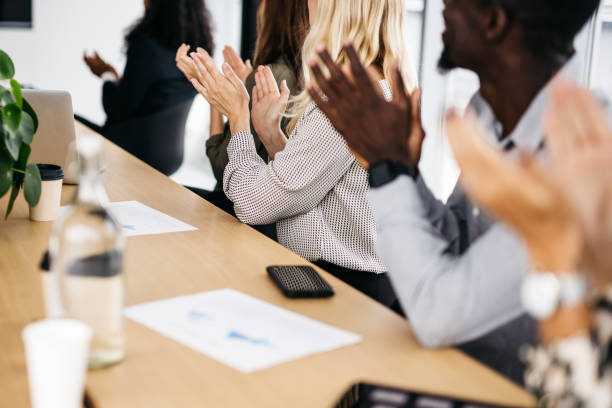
(313, 187)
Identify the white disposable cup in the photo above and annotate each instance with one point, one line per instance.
(48, 206)
(56, 352)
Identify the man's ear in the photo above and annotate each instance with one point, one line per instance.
(496, 23)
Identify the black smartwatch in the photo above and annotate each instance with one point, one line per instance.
(386, 171)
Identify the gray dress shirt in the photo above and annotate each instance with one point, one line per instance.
(457, 273)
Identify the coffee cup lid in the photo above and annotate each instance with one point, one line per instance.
(49, 172)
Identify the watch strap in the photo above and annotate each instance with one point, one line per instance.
(386, 171)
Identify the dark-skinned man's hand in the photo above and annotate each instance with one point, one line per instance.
(375, 129)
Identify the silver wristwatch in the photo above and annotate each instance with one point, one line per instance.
(542, 293)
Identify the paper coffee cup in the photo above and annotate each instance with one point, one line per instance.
(47, 208)
(56, 352)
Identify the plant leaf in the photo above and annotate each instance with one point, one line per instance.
(14, 194)
(13, 144)
(11, 115)
(25, 133)
(31, 185)
(7, 68)
(5, 96)
(22, 161)
(17, 93)
(6, 172)
(20, 164)
(30, 111)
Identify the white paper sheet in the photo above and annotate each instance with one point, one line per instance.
(139, 219)
(239, 330)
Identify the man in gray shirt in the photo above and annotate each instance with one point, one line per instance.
(457, 273)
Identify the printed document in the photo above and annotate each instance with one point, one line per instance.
(239, 330)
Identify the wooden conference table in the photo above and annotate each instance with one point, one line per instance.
(223, 253)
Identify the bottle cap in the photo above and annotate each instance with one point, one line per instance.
(50, 172)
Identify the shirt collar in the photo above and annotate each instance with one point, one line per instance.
(528, 135)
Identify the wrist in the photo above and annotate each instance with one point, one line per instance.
(545, 294)
(239, 122)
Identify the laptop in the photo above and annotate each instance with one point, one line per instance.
(54, 141)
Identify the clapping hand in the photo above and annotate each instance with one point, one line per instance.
(224, 91)
(98, 66)
(241, 68)
(269, 105)
(375, 129)
(184, 63)
(580, 142)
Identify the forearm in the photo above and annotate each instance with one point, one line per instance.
(448, 299)
(216, 122)
(274, 144)
(259, 195)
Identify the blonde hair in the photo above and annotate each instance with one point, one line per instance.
(377, 30)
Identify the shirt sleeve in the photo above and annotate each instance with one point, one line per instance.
(449, 299)
(315, 158)
(122, 99)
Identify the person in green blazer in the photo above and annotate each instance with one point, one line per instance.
(282, 27)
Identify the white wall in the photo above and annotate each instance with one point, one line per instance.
(50, 56)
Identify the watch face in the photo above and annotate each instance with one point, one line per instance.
(540, 294)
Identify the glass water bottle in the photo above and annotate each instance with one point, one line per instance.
(87, 250)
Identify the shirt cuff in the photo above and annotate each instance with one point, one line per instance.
(108, 76)
(395, 199)
(241, 141)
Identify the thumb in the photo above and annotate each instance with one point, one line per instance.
(248, 65)
(285, 92)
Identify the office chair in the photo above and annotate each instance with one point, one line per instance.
(157, 139)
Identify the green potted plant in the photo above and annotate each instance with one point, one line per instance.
(18, 123)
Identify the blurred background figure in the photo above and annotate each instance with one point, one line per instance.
(282, 26)
(564, 212)
(147, 107)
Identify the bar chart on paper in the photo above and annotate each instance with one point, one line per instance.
(238, 330)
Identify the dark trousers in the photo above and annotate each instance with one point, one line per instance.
(376, 286)
(220, 200)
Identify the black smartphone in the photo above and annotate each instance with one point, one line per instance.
(300, 281)
(364, 395)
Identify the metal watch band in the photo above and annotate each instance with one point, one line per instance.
(542, 293)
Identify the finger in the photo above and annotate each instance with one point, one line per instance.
(180, 52)
(415, 101)
(315, 94)
(201, 72)
(207, 61)
(592, 115)
(338, 79)
(333, 94)
(255, 95)
(201, 89)
(249, 65)
(264, 83)
(271, 81)
(226, 56)
(259, 84)
(335, 72)
(360, 74)
(399, 88)
(231, 76)
(230, 54)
